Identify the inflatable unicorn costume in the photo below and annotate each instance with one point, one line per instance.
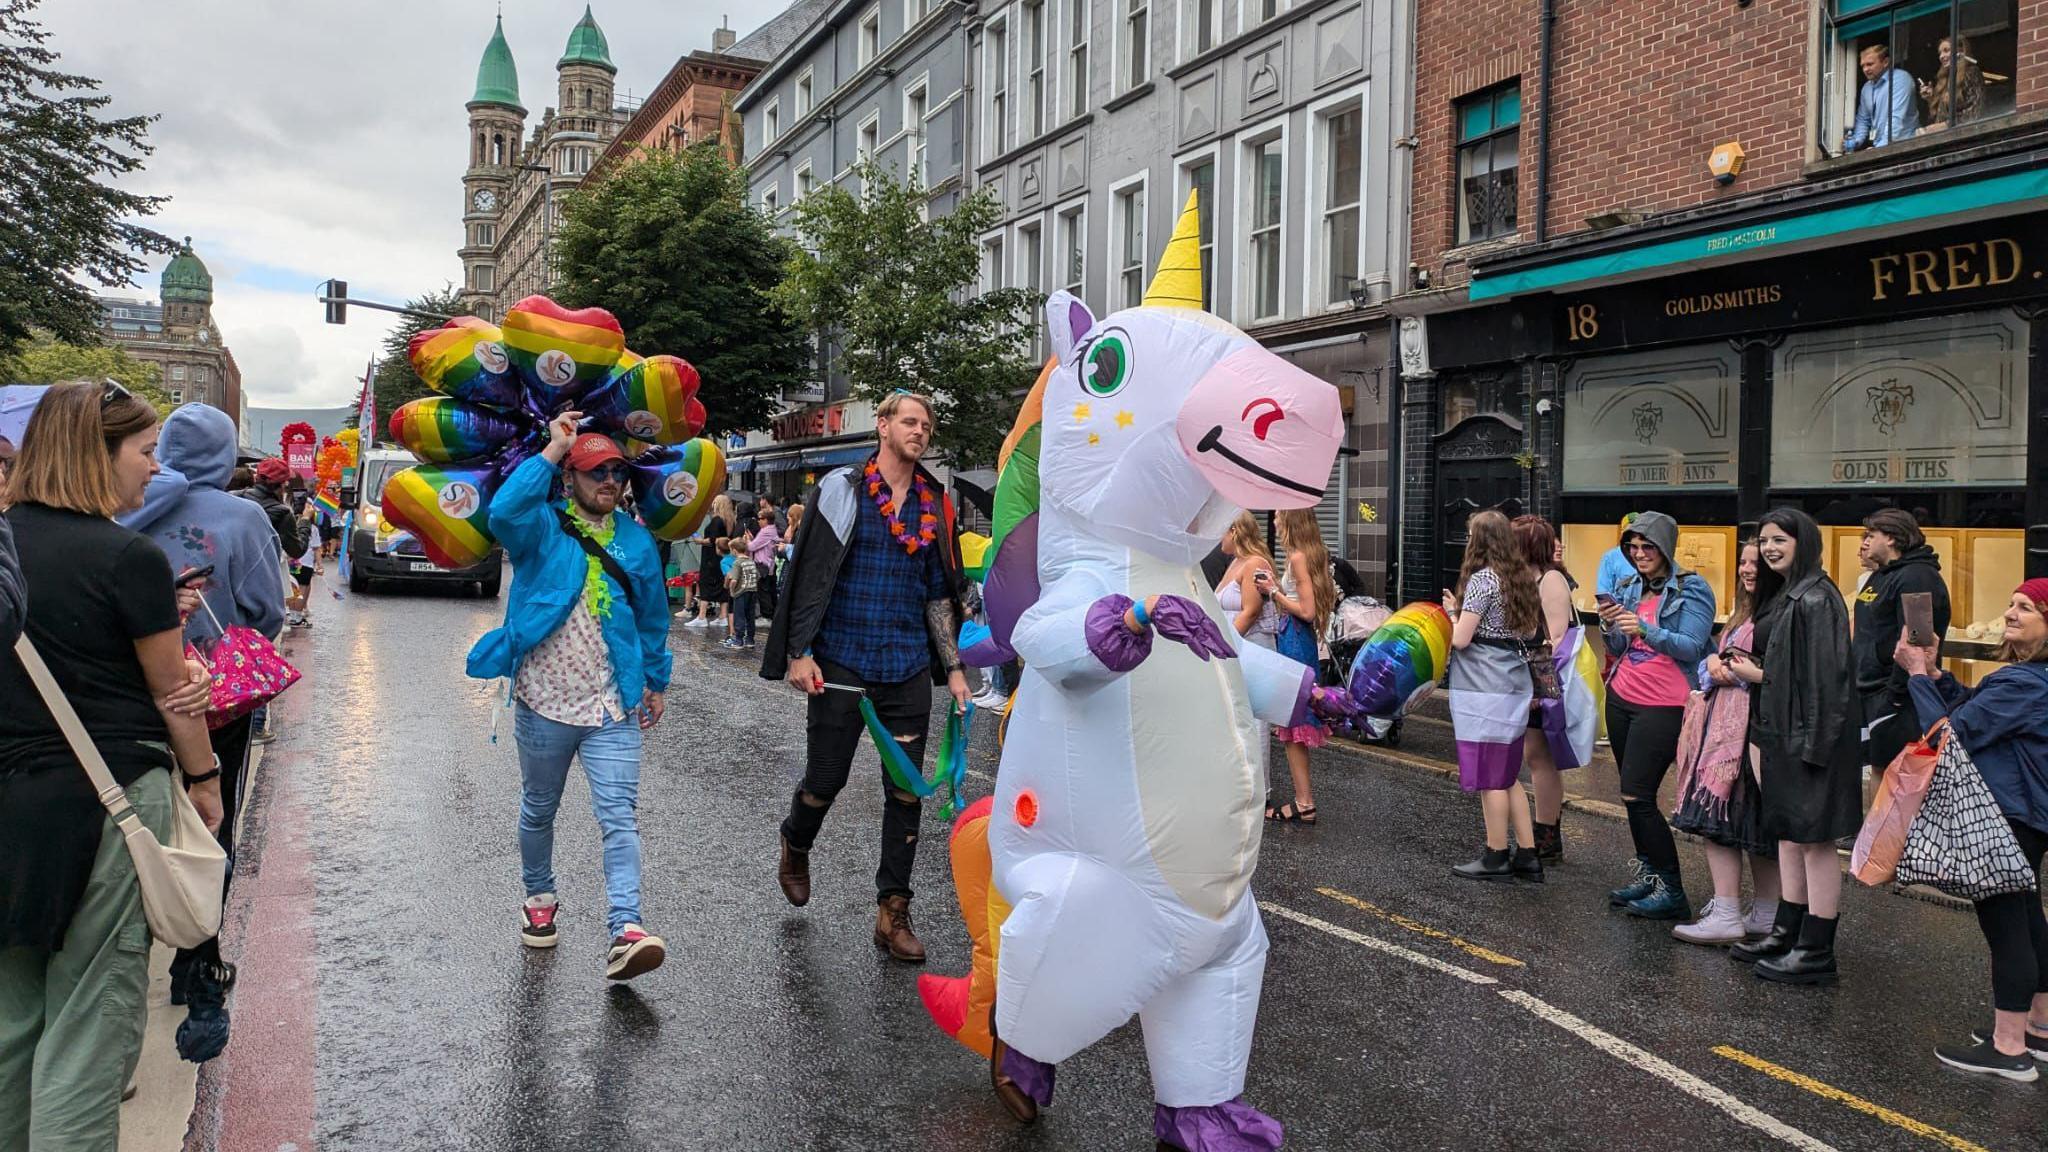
(1126, 820)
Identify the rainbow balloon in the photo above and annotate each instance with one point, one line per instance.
(465, 358)
(447, 508)
(674, 486)
(1402, 661)
(653, 400)
(440, 429)
(561, 353)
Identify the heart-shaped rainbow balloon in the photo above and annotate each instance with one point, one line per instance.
(448, 508)
(441, 429)
(561, 353)
(653, 401)
(466, 358)
(674, 486)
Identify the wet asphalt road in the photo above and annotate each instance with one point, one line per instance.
(386, 1002)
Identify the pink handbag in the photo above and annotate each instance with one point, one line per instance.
(1883, 837)
(247, 671)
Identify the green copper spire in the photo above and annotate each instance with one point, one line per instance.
(586, 45)
(497, 78)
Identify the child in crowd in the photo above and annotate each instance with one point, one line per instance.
(742, 579)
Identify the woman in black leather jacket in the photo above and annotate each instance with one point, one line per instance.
(1804, 725)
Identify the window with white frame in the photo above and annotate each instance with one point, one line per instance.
(869, 42)
(770, 203)
(771, 122)
(1031, 273)
(1129, 218)
(803, 94)
(1198, 26)
(177, 395)
(483, 278)
(177, 371)
(1077, 58)
(1032, 50)
(916, 101)
(1265, 184)
(1259, 11)
(1340, 148)
(1200, 178)
(1137, 44)
(915, 10)
(992, 263)
(869, 137)
(996, 68)
(805, 181)
(1072, 253)
(199, 373)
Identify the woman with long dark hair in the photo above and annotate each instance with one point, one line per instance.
(74, 944)
(1306, 596)
(1718, 794)
(1496, 614)
(1804, 719)
(1538, 541)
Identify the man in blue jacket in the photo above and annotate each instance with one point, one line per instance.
(585, 642)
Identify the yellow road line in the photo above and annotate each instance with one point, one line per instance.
(1421, 929)
(1849, 1100)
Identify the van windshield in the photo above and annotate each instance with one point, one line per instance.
(376, 473)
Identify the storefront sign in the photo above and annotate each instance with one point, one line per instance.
(1652, 420)
(810, 423)
(1968, 266)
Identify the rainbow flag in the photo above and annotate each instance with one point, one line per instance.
(325, 501)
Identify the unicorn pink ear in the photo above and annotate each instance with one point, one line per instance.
(1069, 321)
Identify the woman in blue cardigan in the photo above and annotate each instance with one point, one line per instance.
(2000, 724)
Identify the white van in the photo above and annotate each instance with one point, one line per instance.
(380, 551)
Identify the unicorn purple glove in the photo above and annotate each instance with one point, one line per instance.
(1181, 619)
(1175, 617)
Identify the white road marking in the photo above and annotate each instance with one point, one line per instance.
(1605, 1041)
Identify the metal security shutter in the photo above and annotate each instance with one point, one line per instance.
(1329, 517)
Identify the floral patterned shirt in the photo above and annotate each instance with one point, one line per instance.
(568, 676)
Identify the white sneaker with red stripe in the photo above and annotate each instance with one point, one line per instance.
(540, 921)
(634, 953)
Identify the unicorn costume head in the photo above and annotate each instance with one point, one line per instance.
(1126, 820)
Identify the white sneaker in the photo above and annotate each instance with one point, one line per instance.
(986, 699)
(699, 622)
(1720, 922)
(1763, 915)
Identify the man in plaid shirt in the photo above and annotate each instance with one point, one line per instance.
(870, 609)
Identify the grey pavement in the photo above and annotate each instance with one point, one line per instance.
(386, 1002)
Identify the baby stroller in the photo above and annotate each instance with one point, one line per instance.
(1354, 622)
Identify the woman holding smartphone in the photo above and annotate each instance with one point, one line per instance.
(1803, 720)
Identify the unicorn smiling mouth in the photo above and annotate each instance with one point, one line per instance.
(1213, 442)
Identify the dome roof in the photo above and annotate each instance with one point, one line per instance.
(587, 45)
(186, 279)
(497, 78)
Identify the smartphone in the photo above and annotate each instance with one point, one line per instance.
(191, 576)
(1602, 602)
(1918, 611)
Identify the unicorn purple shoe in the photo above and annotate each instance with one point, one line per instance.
(1232, 1126)
(1023, 1085)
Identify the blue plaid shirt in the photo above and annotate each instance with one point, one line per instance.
(875, 622)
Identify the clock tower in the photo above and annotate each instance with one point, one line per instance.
(497, 127)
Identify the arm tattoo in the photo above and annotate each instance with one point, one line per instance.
(942, 620)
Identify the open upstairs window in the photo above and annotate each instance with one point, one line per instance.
(1489, 127)
(1895, 70)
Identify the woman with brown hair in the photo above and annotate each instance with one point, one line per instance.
(1496, 614)
(1538, 542)
(1956, 94)
(1306, 596)
(74, 951)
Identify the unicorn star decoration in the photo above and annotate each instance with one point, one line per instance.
(1125, 826)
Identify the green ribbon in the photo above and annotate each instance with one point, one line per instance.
(950, 770)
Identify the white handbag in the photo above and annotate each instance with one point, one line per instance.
(183, 881)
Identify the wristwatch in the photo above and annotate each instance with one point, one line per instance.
(203, 777)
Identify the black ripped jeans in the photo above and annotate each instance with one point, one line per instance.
(833, 729)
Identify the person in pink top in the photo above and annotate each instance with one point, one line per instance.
(764, 548)
(1658, 626)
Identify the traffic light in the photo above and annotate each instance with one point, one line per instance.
(336, 297)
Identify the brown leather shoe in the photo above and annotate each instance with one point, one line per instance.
(1013, 1096)
(794, 875)
(892, 930)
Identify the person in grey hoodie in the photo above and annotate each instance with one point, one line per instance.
(188, 511)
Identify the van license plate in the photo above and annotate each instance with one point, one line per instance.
(423, 566)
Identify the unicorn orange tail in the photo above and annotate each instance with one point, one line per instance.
(959, 1005)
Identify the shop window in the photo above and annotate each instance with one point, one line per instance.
(1652, 422)
(1896, 69)
(1920, 404)
(1489, 141)
(1465, 395)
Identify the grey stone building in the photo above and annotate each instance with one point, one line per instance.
(1093, 119)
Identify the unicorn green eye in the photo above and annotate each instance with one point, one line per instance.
(1107, 366)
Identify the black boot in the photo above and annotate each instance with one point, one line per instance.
(1527, 864)
(1778, 941)
(1550, 843)
(1812, 962)
(1491, 865)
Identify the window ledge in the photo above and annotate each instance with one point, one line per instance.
(1922, 147)
(1036, 142)
(1479, 249)
(1126, 99)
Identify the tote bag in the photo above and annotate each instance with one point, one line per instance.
(1883, 838)
(1960, 843)
(247, 671)
(183, 882)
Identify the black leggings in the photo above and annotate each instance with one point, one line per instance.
(1645, 741)
(833, 731)
(2018, 935)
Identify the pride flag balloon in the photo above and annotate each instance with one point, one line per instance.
(1402, 661)
(439, 429)
(561, 353)
(653, 401)
(465, 358)
(674, 486)
(447, 508)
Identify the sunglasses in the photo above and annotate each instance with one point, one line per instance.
(112, 392)
(607, 472)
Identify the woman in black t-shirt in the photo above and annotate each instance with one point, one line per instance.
(74, 945)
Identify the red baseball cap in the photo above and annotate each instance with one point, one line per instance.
(592, 449)
(274, 472)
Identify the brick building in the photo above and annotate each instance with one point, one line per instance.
(1694, 278)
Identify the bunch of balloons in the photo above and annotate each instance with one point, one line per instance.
(500, 385)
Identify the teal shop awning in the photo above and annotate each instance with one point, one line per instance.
(2007, 193)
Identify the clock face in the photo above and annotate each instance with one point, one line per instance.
(204, 336)
(486, 200)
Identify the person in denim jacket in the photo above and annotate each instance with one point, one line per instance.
(1659, 626)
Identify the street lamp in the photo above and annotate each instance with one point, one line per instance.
(547, 224)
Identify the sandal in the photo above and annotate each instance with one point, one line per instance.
(1288, 814)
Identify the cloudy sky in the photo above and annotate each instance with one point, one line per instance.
(300, 141)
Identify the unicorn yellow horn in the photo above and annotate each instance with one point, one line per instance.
(1178, 282)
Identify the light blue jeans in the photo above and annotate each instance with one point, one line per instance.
(611, 763)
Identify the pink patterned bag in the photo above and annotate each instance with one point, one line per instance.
(247, 672)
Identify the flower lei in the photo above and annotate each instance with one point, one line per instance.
(927, 518)
(595, 591)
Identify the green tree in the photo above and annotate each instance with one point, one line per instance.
(668, 244)
(396, 382)
(44, 359)
(896, 292)
(60, 225)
